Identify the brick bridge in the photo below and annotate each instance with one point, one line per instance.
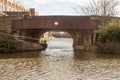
(81, 28)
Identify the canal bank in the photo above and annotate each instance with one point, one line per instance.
(14, 43)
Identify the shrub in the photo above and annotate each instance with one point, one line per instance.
(110, 34)
(27, 14)
(7, 45)
(109, 38)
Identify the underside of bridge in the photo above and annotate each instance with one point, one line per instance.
(82, 40)
(80, 28)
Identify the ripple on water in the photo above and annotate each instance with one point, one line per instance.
(59, 64)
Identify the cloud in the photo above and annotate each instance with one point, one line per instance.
(33, 3)
(55, 6)
(36, 3)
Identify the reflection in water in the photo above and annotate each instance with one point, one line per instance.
(84, 55)
(59, 62)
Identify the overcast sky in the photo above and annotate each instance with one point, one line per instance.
(54, 7)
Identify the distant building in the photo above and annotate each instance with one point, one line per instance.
(15, 8)
(60, 34)
(11, 5)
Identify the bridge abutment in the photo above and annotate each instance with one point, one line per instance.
(82, 40)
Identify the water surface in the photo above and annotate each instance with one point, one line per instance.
(59, 62)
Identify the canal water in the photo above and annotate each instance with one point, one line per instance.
(59, 62)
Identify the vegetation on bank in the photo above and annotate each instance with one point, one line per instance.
(10, 44)
(27, 14)
(7, 44)
(109, 38)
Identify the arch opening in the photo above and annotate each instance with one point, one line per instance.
(57, 42)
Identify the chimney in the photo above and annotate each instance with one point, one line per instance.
(32, 11)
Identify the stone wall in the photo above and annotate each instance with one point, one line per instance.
(6, 23)
(20, 45)
(6, 30)
(5, 26)
(27, 46)
(23, 45)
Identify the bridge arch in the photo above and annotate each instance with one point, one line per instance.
(82, 39)
(50, 35)
(80, 28)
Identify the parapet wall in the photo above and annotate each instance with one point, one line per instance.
(6, 23)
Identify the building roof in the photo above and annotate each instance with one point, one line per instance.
(10, 13)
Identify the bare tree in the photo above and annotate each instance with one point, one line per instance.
(100, 7)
